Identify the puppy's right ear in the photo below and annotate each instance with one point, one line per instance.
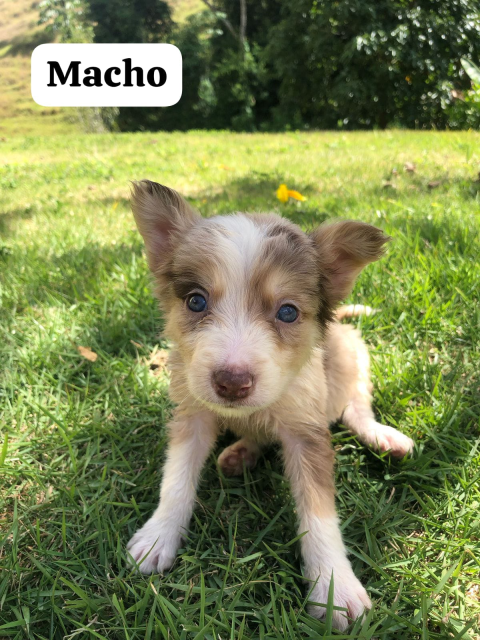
(162, 216)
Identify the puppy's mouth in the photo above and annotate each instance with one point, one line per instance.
(232, 408)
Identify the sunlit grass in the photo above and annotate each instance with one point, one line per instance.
(84, 442)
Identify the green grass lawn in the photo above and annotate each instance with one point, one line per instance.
(83, 442)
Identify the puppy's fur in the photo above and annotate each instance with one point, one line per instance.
(300, 376)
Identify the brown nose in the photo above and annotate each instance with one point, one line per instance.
(232, 385)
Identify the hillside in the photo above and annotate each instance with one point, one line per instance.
(19, 35)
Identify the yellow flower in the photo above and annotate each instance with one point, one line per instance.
(296, 195)
(283, 194)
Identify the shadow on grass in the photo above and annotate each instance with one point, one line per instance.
(72, 274)
(434, 185)
(257, 193)
(109, 284)
(8, 217)
(253, 193)
(436, 232)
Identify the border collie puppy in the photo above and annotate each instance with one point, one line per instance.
(250, 305)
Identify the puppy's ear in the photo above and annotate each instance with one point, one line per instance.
(162, 216)
(343, 249)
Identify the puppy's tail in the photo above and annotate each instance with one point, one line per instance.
(353, 311)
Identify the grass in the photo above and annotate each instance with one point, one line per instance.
(83, 442)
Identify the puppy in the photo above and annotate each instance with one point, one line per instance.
(249, 302)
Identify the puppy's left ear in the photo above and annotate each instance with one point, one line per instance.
(344, 248)
(162, 217)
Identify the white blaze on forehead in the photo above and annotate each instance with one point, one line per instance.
(239, 242)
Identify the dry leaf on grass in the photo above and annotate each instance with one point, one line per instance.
(87, 353)
(474, 592)
(433, 184)
(388, 185)
(158, 361)
(409, 167)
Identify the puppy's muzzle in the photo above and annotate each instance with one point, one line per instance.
(232, 385)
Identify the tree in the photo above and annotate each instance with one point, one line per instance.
(364, 64)
(277, 64)
(66, 18)
(129, 20)
(245, 91)
(115, 21)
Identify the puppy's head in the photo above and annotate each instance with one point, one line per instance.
(246, 297)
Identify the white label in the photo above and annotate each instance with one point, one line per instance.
(106, 75)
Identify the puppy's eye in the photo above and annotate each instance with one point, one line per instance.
(287, 313)
(196, 303)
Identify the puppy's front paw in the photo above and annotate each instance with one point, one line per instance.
(349, 594)
(153, 547)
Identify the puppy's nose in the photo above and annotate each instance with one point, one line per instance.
(232, 385)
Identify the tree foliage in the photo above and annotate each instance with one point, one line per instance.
(472, 97)
(129, 20)
(276, 64)
(66, 18)
(366, 64)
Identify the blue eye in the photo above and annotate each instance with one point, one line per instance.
(287, 313)
(196, 303)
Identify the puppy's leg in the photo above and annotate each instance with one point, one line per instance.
(359, 418)
(309, 466)
(243, 452)
(154, 546)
